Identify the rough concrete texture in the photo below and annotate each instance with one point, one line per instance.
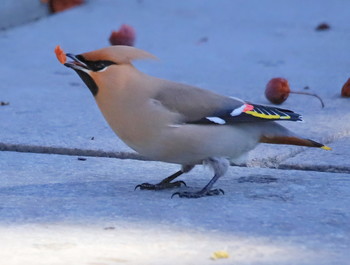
(14, 13)
(58, 210)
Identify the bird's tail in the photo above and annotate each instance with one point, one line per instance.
(292, 140)
(273, 133)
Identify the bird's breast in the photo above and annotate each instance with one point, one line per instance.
(139, 122)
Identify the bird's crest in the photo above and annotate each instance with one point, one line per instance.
(118, 54)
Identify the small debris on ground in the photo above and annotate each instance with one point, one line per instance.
(109, 228)
(202, 40)
(75, 84)
(322, 26)
(221, 254)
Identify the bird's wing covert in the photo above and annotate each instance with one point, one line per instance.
(250, 113)
(199, 106)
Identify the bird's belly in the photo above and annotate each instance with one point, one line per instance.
(191, 144)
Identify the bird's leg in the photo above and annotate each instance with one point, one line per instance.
(166, 183)
(220, 166)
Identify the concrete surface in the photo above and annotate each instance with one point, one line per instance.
(56, 209)
(14, 13)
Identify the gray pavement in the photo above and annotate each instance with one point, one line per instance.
(14, 13)
(289, 206)
(57, 209)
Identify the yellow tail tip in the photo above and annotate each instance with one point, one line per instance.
(325, 147)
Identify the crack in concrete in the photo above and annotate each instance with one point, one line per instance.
(318, 168)
(68, 151)
(135, 156)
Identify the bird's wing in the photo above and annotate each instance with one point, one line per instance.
(199, 106)
(250, 113)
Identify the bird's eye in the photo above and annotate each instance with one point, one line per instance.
(98, 66)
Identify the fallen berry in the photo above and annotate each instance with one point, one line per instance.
(61, 5)
(277, 91)
(345, 91)
(124, 36)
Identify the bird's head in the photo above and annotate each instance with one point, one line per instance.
(92, 66)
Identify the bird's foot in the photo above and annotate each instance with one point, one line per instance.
(198, 194)
(161, 185)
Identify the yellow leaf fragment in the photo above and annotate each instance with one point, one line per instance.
(221, 254)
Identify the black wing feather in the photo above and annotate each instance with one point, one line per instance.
(250, 113)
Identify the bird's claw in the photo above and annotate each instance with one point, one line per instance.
(145, 186)
(198, 194)
(160, 186)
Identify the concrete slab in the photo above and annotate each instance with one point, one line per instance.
(232, 48)
(58, 210)
(13, 13)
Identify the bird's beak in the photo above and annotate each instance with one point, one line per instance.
(76, 64)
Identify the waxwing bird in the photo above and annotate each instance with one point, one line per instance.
(178, 123)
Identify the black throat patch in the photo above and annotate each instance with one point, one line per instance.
(89, 82)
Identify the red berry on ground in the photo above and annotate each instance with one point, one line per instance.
(345, 91)
(277, 90)
(61, 5)
(124, 36)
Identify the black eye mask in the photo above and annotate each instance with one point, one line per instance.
(95, 65)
